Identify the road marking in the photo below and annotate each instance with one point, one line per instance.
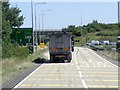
(96, 86)
(56, 73)
(52, 75)
(101, 72)
(103, 80)
(102, 58)
(28, 76)
(114, 86)
(101, 75)
(54, 79)
(30, 85)
(101, 86)
(80, 74)
(45, 85)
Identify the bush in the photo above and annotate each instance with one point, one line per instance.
(13, 50)
(21, 52)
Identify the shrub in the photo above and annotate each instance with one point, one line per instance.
(13, 50)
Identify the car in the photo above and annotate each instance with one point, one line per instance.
(112, 43)
(105, 42)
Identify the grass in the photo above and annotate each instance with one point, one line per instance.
(108, 50)
(111, 54)
(12, 66)
(92, 36)
(0, 73)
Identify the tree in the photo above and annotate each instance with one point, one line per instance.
(10, 19)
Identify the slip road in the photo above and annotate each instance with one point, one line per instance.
(86, 70)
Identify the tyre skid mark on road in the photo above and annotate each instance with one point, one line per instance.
(89, 63)
(99, 74)
(102, 58)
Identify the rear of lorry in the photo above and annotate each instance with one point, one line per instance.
(60, 46)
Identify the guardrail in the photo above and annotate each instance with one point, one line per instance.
(96, 48)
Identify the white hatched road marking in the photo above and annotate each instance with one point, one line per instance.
(80, 74)
(28, 76)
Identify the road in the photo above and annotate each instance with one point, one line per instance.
(86, 70)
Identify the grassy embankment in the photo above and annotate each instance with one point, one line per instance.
(107, 49)
(12, 66)
(0, 64)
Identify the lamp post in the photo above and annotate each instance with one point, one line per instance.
(39, 30)
(81, 31)
(43, 41)
(119, 13)
(36, 22)
(32, 26)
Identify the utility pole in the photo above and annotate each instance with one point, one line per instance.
(81, 31)
(36, 22)
(35, 26)
(43, 25)
(39, 30)
(119, 13)
(32, 26)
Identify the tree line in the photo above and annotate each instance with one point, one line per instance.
(100, 29)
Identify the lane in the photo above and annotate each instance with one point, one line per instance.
(97, 72)
(53, 75)
(86, 70)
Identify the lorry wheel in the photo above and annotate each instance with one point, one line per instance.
(69, 58)
(51, 59)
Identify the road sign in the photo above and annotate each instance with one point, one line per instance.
(28, 37)
(42, 45)
(22, 36)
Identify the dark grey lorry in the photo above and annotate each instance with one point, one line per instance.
(60, 46)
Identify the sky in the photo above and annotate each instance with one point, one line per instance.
(63, 14)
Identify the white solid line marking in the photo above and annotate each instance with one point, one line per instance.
(84, 84)
(27, 77)
(80, 74)
(102, 58)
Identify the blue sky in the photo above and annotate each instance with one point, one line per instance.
(69, 13)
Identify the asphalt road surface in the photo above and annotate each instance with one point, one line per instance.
(86, 70)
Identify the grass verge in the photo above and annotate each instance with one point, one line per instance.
(12, 66)
(107, 50)
(111, 54)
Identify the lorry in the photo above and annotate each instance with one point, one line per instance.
(61, 46)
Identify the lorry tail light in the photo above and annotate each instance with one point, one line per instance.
(53, 49)
(66, 49)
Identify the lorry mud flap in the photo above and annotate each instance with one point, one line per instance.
(52, 59)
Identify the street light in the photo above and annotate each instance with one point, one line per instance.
(81, 31)
(39, 30)
(42, 41)
(119, 13)
(32, 27)
(35, 21)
